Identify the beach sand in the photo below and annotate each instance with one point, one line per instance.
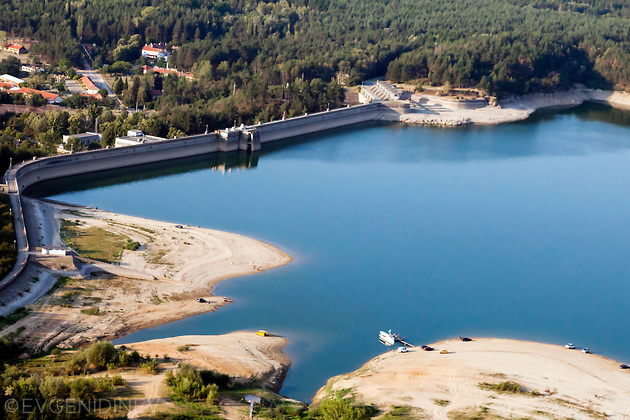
(571, 384)
(425, 109)
(156, 284)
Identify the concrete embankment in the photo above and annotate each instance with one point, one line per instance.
(26, 174)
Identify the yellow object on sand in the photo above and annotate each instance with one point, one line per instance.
(262, 333)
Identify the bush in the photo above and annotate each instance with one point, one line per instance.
(117, 380)
(188, 386)
(78, 364)
(101, 353)
(212, 377)
(341, 409)
(131, 245)
(53, 387)
(150, 367)
(82, 389)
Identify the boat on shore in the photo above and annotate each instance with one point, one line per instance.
(388, 338)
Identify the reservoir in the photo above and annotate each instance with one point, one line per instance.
(519, 231)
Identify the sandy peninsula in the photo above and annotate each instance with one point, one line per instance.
(430, 109)
(247, 358)
(556, 382)
(158, 283)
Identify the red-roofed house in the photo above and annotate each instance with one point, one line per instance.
(16, 49)
(150, 51)
(90, 87)
(51, 98)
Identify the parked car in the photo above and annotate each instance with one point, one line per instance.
(427, 348)
(201, 300)
(444, 352)
(624, 367)
(586, 350)
(179, 226)
(465, 339)
(402, 350)
(569, 346)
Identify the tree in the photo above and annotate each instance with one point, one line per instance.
(10, 66)
(101, 353)
(118, 86)
(36, 100)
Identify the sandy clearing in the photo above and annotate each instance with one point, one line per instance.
(572, 384)
(157, 284)
(434, 110)
(245, 356)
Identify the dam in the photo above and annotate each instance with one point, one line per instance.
(247, 139)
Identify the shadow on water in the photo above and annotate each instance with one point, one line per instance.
(435, 145)
(587, 112)
(216, 161)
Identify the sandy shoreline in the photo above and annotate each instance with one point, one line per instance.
(434, 110)
(566, 383)
(160, 282)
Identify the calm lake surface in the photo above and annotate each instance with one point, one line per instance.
(518, 231)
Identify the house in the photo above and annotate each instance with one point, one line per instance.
(84, 138)
(16, 49)
(154, 51)
(15, 81)
(51, 98)
(136, 137)
(31, 69)
(90, 87)
(5, 86)
(168, 71)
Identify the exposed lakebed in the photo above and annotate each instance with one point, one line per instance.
(518, 230)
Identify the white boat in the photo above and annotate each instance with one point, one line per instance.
(387, 338)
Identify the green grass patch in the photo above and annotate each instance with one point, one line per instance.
(93, 242)
(14, 317)
(441, 403)
(132, 245)
(508, 387)
(91, 311)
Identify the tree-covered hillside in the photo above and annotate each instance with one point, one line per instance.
(505, 46)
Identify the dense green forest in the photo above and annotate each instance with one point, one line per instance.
(505, 46)
(7, 237)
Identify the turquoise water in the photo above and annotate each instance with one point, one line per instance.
(518, 231)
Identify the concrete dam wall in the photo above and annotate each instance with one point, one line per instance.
(29, 173)
(21, 176)
(321, 121)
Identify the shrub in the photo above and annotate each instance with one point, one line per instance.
(78, 363)
(117, 380)
(132, 245)
(188, 386)
(53, 387)
(101, 353)
(150, 367)
(341, 409)
(213, 377)
(81, 388)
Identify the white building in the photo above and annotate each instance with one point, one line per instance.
(7, 78)
(150, 51)
(84, 138)
(136, 137)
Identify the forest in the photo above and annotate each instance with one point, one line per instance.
(503, 46)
